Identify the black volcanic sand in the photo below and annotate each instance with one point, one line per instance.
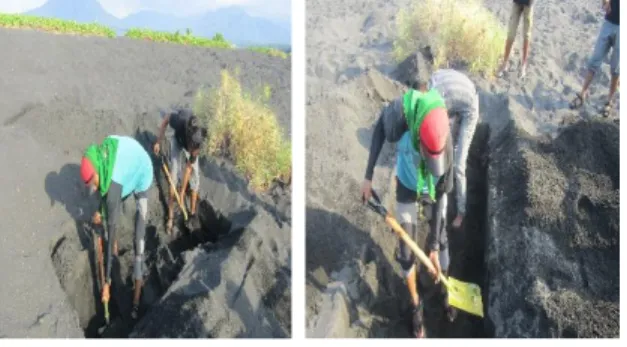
(59, 94)
(544, 273)
(553, 237)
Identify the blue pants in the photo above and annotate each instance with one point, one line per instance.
(609, 37)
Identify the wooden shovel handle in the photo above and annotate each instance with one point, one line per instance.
(176, 194)
(391, 221)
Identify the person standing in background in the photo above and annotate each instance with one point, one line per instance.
(609, 37)
(520, 8)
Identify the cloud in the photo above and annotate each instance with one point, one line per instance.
(18, 6)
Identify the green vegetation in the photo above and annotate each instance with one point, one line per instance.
(217, 41)
(60, 26)
(270, 51)
(457, 30)
(53, 25)
(245, 129)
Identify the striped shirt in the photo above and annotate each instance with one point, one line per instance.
(457, 89)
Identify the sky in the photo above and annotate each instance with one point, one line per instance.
(279, 9)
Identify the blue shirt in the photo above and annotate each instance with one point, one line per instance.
(407, 161)
(133, 166)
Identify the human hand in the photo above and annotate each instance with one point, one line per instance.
(425, 199)
(97, 218)
(457, 222)
(366, 190)
(434, 256)
(156, 148)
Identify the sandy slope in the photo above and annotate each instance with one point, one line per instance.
(348, 251)
(59, 93)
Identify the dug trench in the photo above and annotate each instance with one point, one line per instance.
(466, 249)
(73, 257)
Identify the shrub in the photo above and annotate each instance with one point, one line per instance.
(176, 37)
(53, 25)
(270, 51)
(245, 130)
(457, 31)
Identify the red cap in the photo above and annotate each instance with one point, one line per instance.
(434, 132)
(87, 170)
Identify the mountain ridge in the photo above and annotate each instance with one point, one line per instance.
(233, 22)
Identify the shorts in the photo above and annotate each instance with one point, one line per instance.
(517, 11)
(177, 168)
(609, 37)
(407, 217)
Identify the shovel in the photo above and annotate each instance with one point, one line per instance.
(176, 193)
(102, 285)
(463, 295)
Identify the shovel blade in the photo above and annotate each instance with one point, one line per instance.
(465, 296)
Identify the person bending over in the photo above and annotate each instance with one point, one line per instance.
(116, 168)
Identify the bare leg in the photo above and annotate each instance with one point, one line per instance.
(576, 103)
(412, 286)
(170, 211)
(586, 83)
(523, 70)
(613, 87)
(194, 199)
(508, 50)
(137, 292)
(607, 109)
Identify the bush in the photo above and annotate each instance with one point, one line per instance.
(244, 129)
(457, 31)
(54, 25)
(176, 37)
(270, 51)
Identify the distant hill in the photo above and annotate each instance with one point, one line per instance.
(80, 11)
(233, 22)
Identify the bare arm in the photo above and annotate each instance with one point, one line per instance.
(378, 137)
(186, 175)
(164, 124)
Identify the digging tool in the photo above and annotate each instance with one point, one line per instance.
(106, 282)
(463, 295)
(176, 194)
(98, 256)
(98, 236)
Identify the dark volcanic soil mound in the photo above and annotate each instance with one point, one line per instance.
(553, 238)
(60, 93)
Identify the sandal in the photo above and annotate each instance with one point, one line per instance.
(577, 101)
(418, 328)
(607, 109)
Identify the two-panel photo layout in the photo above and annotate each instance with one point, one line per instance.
(461, 169)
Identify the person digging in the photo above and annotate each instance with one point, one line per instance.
(188, 138)
(116, 168)
(608, 38)
(418, 122)
(462, 104)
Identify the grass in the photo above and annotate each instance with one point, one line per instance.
(457, 31)
(20, 21)
(60, 26)
(217, 41)
(270, 51)
(243, 128)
